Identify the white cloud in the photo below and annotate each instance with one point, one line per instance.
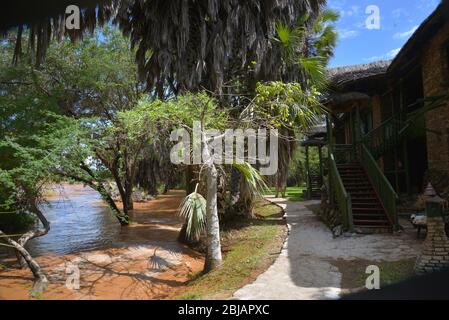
(353, 11)
(344, 9)
(347, 34)
(406, 34)
(389, 55)
(400, 12)
(425, 4)
(393, 53)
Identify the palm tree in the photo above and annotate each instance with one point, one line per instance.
(202, 215)
(186, 44)
(306, 49)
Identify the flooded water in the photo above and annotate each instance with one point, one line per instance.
(143, 260)
(79, 222)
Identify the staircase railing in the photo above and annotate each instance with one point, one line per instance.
(382, 186)
(344, 153)
(342, 197)
(383, 138)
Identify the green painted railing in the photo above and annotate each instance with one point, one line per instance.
(383, 138)
(344, 153)
(339, 192)
(384, 190)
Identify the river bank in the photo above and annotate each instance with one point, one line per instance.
(141, 261)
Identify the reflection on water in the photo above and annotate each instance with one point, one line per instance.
(79, 222)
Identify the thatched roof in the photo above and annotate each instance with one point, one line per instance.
(342, 98)
(318, 129)
(343, 75)
(316, 135)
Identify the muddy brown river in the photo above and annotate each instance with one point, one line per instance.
(79, 222)
(143, 260)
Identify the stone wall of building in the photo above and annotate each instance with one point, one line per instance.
(435, 78)
(435, 254)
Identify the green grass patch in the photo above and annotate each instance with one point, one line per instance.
(391, 272)
(292, 193)
(250, 247)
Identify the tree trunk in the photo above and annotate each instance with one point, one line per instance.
(128, 201)
(128, 183)
(23, 240)
(235, 184)
(121, 189)
(213, 250)
(123, 218)
(191, 179)
(246, 201)
(213, 253)
(41, 281)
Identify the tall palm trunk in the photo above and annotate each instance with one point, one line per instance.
(213, 251)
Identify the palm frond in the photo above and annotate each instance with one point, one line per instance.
(193, 210)
(252, 176)
(283, 34)
(315, 71)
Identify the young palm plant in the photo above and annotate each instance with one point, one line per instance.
(193, 211)
(194, 208)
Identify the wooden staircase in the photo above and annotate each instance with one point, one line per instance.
(316, 182)
(384, 138)
(368, 212)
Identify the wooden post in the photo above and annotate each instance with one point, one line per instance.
(330, 139)
(357, 133)
(330, 150)
(309, 187)
(320, 154)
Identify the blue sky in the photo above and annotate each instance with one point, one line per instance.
(398, 20)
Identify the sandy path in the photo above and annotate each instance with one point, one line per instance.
(146, 261)
(304, 271)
